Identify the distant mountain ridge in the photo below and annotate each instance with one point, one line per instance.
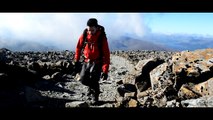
(27, 46)
(128, 43)
(182, 42)
(125, 43)
(159, 42)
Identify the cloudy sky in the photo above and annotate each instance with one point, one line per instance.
(63, 29)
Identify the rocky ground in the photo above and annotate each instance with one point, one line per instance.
(44, 80)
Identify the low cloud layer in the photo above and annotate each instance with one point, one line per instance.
(63, 29)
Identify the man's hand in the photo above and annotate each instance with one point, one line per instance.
(104, 76)
(77, 64)
(76, 68)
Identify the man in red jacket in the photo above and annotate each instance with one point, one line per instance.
(94, 46)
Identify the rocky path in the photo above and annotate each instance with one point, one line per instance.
(118, 68)
(74, 93)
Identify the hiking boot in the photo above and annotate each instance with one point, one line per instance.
(90, 92)
(142, 86)
(94, 99)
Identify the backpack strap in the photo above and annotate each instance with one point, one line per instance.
(100, 40)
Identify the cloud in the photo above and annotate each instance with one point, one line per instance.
(47, 28)
(63, 29)
(127, 24)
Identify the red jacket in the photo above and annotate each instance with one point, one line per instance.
(91, 50)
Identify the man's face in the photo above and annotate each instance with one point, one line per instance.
(91, 30)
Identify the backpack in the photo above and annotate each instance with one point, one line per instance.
(103, 34)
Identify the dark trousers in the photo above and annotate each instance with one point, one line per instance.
(90, 76)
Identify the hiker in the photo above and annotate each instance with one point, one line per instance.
(93, 45)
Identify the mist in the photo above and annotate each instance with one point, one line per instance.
(62, 30)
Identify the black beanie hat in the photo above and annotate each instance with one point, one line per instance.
(92, 22)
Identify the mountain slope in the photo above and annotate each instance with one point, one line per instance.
(128, 43)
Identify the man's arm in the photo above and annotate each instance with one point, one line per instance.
(106, 56)
(78, 49)
(77, 64)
